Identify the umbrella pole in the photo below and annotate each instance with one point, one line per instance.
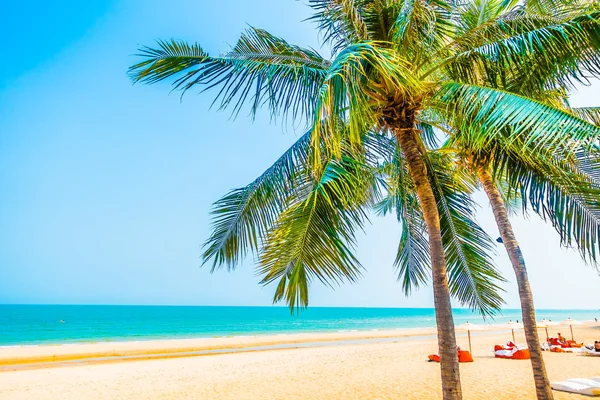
(513, 333)
(469, 333)
(547, 335)
(572, 337)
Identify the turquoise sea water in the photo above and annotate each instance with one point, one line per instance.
(41, 324)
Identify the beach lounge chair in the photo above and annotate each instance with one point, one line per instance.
(511, 351)
(589, 387)
(558, 349)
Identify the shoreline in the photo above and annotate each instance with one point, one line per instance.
(257, 334)
(49, 353)
(380, 369)
(41, 325)
(45, 355)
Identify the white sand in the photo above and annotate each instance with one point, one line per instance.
(343, 371)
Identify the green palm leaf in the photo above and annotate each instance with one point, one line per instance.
(260, 69)
(340, 21)
(526, 53)
(563, 192)
(242, 217)
(477, 13)
(482, 115)
(412, 258)
(420, 27)
(590, 114)
(313, 238)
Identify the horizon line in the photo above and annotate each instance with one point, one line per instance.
(275, 306)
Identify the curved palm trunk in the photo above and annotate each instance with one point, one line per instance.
(542, 384)
(443, 309)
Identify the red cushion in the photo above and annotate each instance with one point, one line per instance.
(464, 356)
(521, 355)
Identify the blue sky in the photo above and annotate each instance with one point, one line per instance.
(106, 187)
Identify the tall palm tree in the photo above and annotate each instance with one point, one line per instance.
(559, 191)
(393, 63)
(535, 175)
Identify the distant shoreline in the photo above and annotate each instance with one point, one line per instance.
(52, 355)
(17, 356)
(340, 333)
(58, 354)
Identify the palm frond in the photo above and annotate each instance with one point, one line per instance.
(340, 21)
(412, 258)
(428, 134)
(482, 115)
(563, 192)
(260, 69)
(585, 164)
(529, 53)
(313, 238)
(420, 27)
(168, 59)
(476, 13)
(242, 218)
(590, 114)
(555, 7)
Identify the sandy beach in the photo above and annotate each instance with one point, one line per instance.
(341, 365)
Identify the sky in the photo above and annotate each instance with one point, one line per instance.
(106, 186)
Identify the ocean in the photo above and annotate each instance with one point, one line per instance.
(58, 324)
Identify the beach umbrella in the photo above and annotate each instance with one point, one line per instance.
(512, 326)
(470, 327)
(571, 322)
(545, 323)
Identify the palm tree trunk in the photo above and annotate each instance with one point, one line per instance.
(451, 388)
(542, 384)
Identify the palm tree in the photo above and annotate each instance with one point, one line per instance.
(559, 191)
(394, 64)
(572, 207)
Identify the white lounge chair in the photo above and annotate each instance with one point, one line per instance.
(586, 386)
